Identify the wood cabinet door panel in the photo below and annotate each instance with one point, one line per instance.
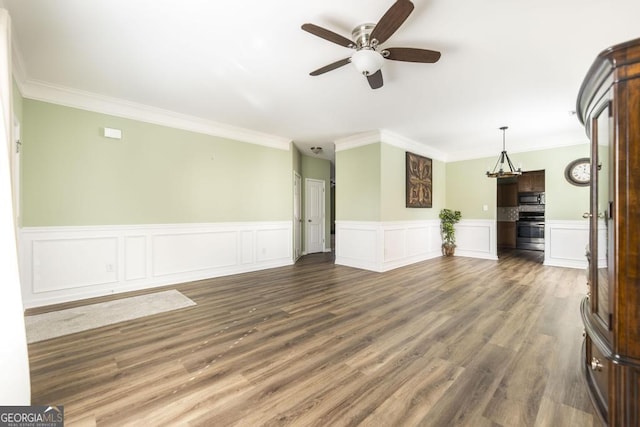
(597, 369)
(531, 181)
(506, 234)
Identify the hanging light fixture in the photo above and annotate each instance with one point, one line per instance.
(504, 157)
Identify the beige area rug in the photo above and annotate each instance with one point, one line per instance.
(44, 326)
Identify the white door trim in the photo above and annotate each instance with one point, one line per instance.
(16, 149)
(297, 216)
(314, 214)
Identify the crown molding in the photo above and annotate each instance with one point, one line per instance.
(410, 145)
(390, 138)
(41, 91)
(357, 140)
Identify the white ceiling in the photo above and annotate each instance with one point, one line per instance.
(247, 63)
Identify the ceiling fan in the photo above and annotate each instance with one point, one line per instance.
(367, 38)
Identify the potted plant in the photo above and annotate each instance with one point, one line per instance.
(447, 219)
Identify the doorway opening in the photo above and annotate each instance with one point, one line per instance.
(520, 226)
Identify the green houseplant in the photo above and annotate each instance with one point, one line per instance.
(447, 220)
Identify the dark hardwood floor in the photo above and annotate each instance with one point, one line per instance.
(445, 342)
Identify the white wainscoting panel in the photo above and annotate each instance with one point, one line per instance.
(273, 244)
(135, 262)
(357, 244)
(395, 245)
(417, 237)
(383, 246)
(60, 264)
(72, 263)
(476, 238)
(247, 252)
(566, 243)
(206, 251)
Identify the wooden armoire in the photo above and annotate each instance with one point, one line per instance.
(609, 107)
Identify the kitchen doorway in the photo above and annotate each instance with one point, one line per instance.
(520, 215)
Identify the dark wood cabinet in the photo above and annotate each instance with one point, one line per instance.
(531, 181)
(508, 195)
(506, 234)
(609, 107)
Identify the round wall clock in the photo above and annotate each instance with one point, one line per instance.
(578, 172)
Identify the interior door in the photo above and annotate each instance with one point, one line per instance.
(297, 216)
(314, 215)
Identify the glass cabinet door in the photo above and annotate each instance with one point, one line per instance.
(600, 216)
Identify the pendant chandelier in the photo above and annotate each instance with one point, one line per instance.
(501, 172)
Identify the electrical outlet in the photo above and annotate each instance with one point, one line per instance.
(109, 268)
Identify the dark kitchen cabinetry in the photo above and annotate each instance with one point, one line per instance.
(506, 234)
(508, 195)
(609, 107)
(531, 182)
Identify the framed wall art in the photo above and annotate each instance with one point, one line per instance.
(419, 186)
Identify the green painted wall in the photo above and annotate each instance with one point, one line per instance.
(320, 169)
(74, 176)
(358, 192)
(393, 187)
(468, 189)
(563, 200)
(71, 175)
(370, 185)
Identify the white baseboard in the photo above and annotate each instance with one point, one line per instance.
(60, 264)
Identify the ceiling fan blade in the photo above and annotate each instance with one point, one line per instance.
(330, 67)
(391, 20)
(409, 54)
(375, 80)
(327, 35)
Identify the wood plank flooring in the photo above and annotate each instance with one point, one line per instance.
(445, 342)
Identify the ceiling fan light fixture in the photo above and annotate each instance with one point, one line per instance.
(367, 61)
(499, 170)
(368, 38)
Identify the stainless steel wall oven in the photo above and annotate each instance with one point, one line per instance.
(530, 231)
